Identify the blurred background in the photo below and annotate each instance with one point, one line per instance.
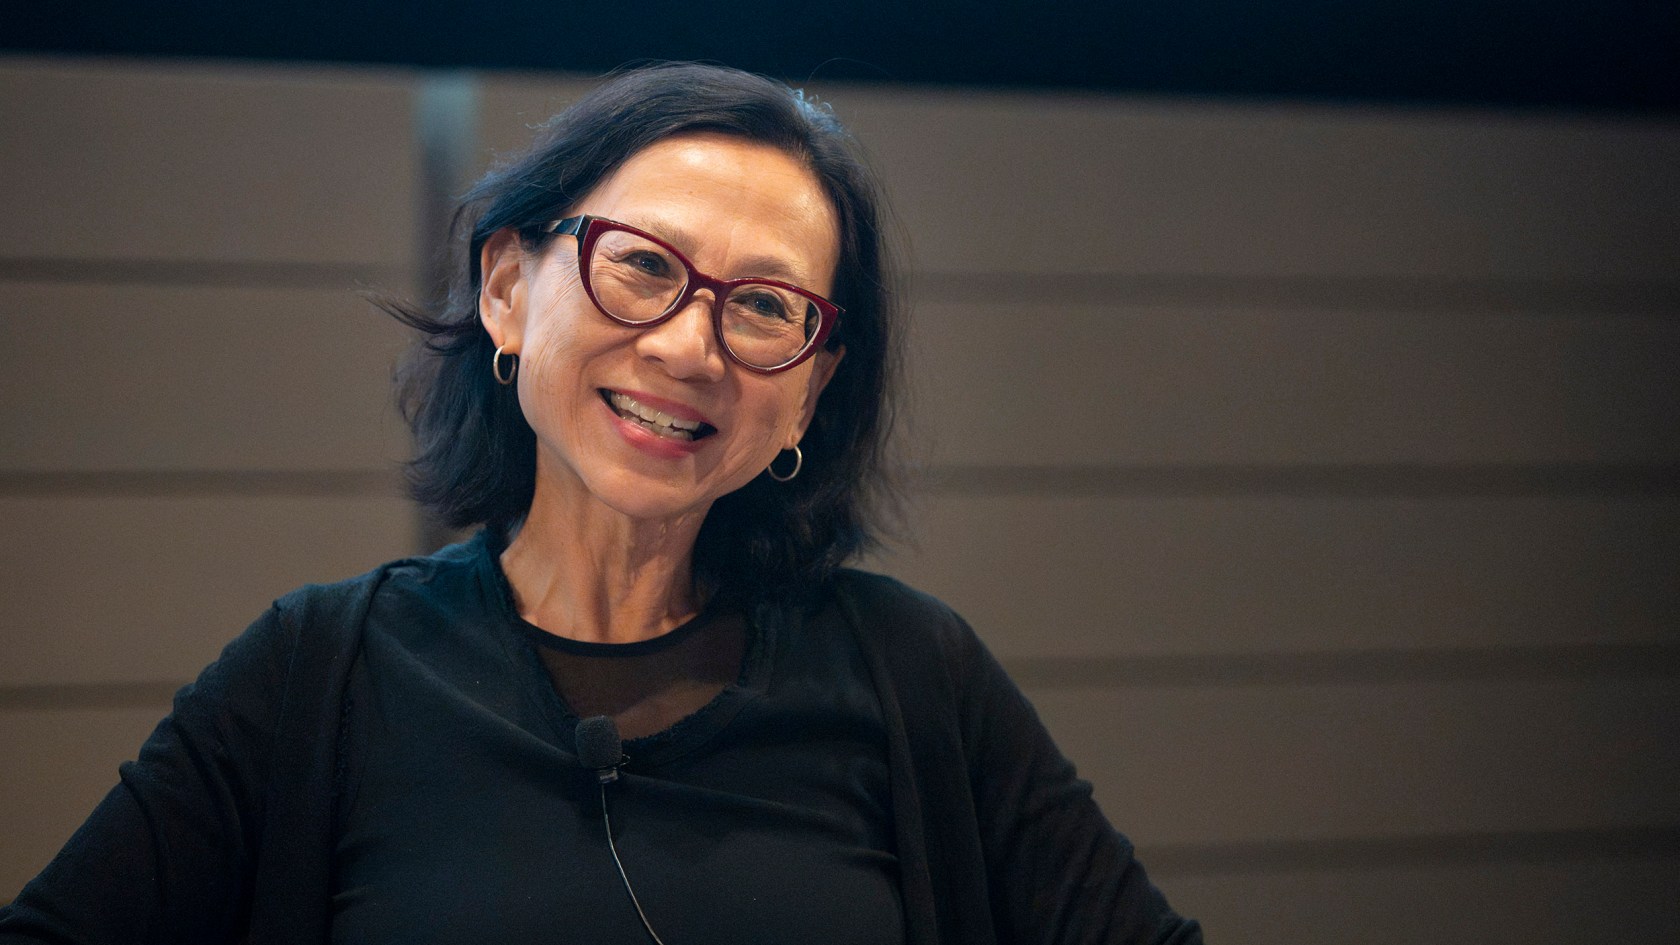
(1297, 386)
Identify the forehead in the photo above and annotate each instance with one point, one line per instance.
(723, 200)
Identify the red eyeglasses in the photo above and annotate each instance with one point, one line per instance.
(639, 280)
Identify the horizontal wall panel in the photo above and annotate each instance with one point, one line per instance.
(1501, 903)
(116, 590)
(1093, 576)
(125, 378)
(58, 766)
(1050, 383)
(146, 161)
(1233, 764)
(1002, 183)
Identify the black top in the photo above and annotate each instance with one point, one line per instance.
(225, 829)
(764, 816)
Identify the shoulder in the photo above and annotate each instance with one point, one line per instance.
(879, 596)
(347, 601)
(906, 622)
(319, 625)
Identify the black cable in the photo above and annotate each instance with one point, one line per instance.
(607, 822)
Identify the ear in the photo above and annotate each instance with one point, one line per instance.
(822, 371)
(501, 294)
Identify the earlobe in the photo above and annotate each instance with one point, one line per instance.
(501, 294)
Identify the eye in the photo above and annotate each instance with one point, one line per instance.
(764, 304)
(648, 262)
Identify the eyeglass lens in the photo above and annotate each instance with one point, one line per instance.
(636, 280)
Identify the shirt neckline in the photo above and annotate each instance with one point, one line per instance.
(684, 736)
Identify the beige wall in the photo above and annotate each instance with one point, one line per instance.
(197, 414)
(1314, 469)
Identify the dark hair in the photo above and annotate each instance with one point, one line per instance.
(475, 456)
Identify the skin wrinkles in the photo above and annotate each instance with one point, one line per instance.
(605, 553)
(763, 267)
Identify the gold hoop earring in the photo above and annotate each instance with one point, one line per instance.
(496, 366)
(798, 463)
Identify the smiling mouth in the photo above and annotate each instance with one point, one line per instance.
(655, 421)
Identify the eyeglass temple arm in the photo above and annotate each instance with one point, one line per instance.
(570, 226)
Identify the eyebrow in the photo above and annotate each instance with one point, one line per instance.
(761, 267)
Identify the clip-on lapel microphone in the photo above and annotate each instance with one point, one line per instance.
(601, 750)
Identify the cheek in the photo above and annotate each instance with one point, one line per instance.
(556, 349)
(780, 407)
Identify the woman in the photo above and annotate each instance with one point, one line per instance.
(662, 387)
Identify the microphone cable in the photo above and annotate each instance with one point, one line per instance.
(600, 749)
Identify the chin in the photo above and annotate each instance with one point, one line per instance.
(652, 500)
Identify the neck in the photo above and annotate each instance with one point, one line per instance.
(584, 571)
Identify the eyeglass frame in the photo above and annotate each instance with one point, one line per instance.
(588, 229)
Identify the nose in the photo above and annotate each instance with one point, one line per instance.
(686, 345)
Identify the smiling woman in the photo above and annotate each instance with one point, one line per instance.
(477, 462)
(662, 387)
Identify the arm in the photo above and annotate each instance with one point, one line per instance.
(168, 856)
(1059, 873)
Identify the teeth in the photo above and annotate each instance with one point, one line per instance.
(656, 420)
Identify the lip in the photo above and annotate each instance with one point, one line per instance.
(646, 440)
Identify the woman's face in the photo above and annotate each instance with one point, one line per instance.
(735, 208)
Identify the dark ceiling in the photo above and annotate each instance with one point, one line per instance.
(1609, 55)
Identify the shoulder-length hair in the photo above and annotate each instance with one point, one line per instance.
(475, 460)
